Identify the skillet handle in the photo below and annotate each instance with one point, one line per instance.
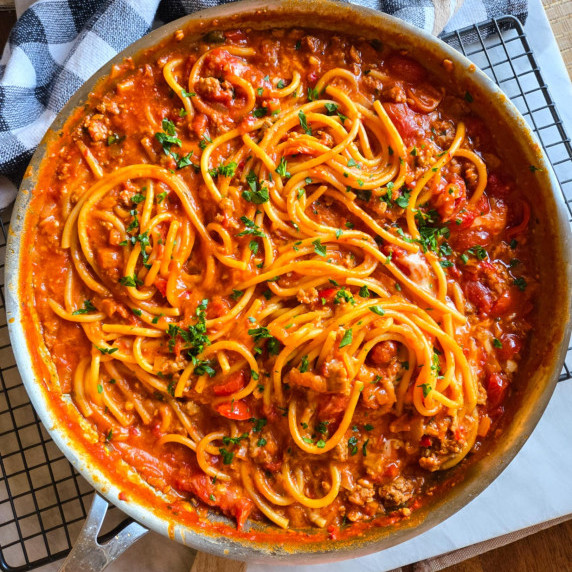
(88, 555)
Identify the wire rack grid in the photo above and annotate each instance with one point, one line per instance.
(43, 501)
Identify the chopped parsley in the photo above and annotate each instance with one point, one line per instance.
(478, 252)
(87, 307)
(257, 193)
(497, 343)
(282, 168)
(319, 248)
(520, 282)
(107, 351)
(403, 199)
(259, 424)
(234, 440)
(377, 310)
(194, 337)
(260, 112)
(168, 137)
(304, 123)
(426, 387)
(204, 367)
(251, 228)
(303, 364)
(262, 333)
(364, 292)
(227, 170)
(313, 94)
(227, 456)
(347, 338)
(331, 108)
(130, 281)
(236, 294)
(204, 142)
(352, 445)
(113, 139)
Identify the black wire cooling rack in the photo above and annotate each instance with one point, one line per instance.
(43, 501)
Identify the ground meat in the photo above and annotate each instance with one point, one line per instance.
(109, 306)
(383, 353)
(447, 447)
(443, 132)
(307, 296)
(108, 107)
(379, 395)
(109, 260)
(362, 493)
(355, 55)
(96, 127)
(470, 175)
(211, 88)
(336, 376)
(373, 83)
(333, 378)
(264, 454)
(312, 43)
(394, 93)
(397, 492)
(324, 138)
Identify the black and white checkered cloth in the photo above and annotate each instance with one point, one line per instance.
(58, 44)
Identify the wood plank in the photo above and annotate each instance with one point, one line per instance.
(208, 563)
(559, 14)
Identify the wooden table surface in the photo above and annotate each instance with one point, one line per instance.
(551, 549)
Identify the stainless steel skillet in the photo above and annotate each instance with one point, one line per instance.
(539, 370)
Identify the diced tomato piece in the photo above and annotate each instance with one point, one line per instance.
(497, 387)
(404, 120)
(238, 410)
(395, 251)
(327, 293)
(511, 345)
(477, 130)
(406, 68)
(392, 470)
(450, 196)
(178, 346)
(229, 499)
(247, 123)
(332, 405)
(235, 36)
(235, 382)
(479, 295)
(469, 238)
(498, 186)
(333, 532)
(273, 466)
(217, 307)
(505, 303)
(424, 98)
(161, 285)
(199, 124)
(383, 352)
(425, 441)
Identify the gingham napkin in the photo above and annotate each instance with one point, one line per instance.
(57, 44)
